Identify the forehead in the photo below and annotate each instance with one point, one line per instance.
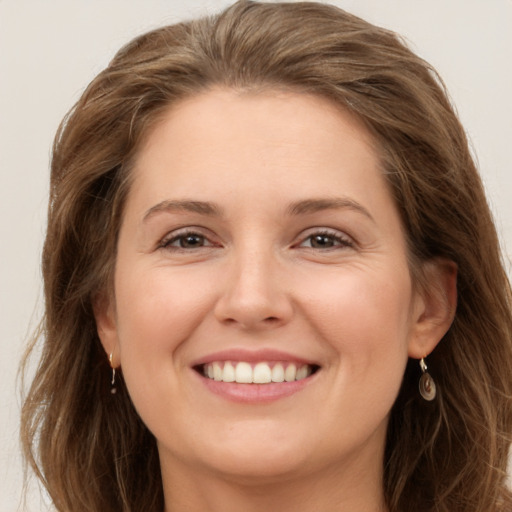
(281, 132)
(263, 107)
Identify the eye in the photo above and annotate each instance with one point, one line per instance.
(187, 240)
(326, 240)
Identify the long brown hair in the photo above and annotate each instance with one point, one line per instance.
(91, 449)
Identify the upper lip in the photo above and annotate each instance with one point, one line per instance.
(252, 356)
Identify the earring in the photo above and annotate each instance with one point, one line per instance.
(113, 389)
(427, 384)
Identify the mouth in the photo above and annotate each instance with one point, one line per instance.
(255, 377)
(262, 372)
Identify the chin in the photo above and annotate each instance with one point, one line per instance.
(256, 452)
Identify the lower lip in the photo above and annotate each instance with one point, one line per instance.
(255, 393)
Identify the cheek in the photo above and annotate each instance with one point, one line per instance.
(364, 317)
(157, 311)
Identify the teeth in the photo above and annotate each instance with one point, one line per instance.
(302, 373)
(228, 374)
(243, 373)
(278, 373)
(290, 373)
(217, 371)
(262, 373)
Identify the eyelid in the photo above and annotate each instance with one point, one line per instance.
(345, 239)
(166, 241)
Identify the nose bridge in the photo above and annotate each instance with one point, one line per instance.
(254, 294)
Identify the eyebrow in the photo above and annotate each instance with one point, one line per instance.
(302, 207)
(335, 203)
(201, 207)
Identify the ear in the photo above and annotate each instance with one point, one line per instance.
(106, 324)
(435, 306)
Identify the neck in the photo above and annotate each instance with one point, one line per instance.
(334, 489)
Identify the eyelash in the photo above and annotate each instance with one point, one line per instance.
(167, 242)
(337, 239)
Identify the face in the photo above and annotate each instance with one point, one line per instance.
(264, 309)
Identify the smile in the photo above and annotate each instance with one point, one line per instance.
(255, 377)
(242, 372)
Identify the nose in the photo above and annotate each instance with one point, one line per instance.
(254, 294)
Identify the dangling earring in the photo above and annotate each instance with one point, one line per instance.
(427, 384)
(113, 389)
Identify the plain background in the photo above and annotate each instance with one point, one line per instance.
(50, 50)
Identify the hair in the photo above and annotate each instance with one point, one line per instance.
(91, 450)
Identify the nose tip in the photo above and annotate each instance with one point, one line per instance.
(254, 297)
(250, 318)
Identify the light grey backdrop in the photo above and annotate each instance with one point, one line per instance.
(50, 50)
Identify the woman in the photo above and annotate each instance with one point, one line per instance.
(263, 227)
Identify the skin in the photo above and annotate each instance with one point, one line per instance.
(253, 278)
